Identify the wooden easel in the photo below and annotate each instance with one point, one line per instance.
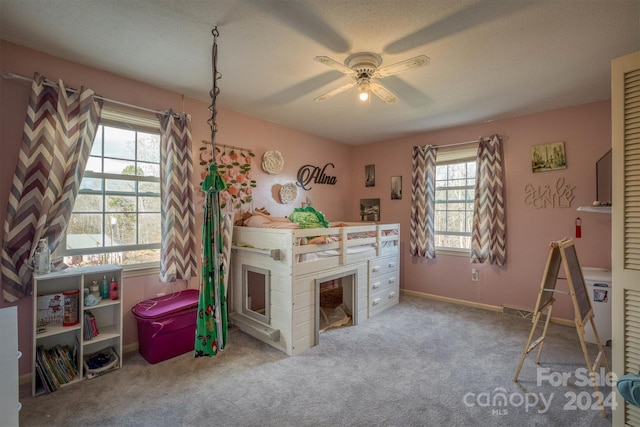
(564, 252)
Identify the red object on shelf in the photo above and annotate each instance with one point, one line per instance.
(113, 289)
(578, 228)
(71, 307)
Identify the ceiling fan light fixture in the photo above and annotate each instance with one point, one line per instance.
(363, 67)
(364, 85)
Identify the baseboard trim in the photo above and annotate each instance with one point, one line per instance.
(488, 307)
(453, 300)
(130, 347)
(25, 379)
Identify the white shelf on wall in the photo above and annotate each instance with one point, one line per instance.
(596, 209)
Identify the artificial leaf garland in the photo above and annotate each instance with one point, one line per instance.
(234, 165)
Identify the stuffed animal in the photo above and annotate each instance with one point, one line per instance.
(243, 217)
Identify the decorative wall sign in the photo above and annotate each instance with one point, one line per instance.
(370, 209)
(548, 157)
(370, 176)
(396, 187)
(309, 173)
(548, 196)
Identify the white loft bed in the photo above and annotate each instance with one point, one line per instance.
(294, 262)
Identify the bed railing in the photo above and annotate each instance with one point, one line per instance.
(315, 249)
(367, 241)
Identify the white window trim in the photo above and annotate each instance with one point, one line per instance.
(453, 251)
(142, 269)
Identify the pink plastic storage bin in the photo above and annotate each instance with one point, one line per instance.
(167, 325)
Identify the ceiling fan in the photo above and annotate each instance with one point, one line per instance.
(363, 66)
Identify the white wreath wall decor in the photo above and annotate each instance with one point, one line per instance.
(272, 162)
(288, 193)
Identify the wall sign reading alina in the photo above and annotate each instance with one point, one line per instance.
(309, 173)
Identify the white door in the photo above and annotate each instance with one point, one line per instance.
(625, 222)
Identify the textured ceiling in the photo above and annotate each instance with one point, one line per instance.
(489, 59)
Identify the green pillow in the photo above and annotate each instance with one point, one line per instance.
(308, 217)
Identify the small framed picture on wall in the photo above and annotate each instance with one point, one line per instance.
(370, 176)
(396, 187)
(370, 209)
(548, 157)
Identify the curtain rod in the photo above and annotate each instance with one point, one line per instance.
(9, 75)
(485, 138)
(204, 141)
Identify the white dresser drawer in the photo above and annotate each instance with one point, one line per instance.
(382, 301)
(384, 283)
(383, 265)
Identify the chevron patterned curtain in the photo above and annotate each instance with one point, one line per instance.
(177, 253)
(56, 142)
(423, 178)
(488, 243)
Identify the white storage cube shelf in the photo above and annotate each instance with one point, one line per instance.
(107, 313)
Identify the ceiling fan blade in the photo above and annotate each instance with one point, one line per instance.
(383, 93)
(335, 65)
(406, 65)
(335, 91)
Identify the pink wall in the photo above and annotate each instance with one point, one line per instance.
(586, 131)
(298, 149)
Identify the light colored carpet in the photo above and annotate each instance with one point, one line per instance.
(422, 362)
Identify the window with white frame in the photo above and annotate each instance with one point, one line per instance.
(454, 199)
(116, 217)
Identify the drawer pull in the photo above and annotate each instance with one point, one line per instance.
(392, 294)
(392, 280)
(375, 285)
(375, 269)
(375, 301)
(392, 264)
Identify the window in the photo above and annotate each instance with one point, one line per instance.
(454, 197)
(116, 217)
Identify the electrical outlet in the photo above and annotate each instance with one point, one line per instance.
(160, 294)
(474, 275)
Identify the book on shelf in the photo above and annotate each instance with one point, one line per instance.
(45, 380)
(49, 380)
(90, 326)
(56, 366)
